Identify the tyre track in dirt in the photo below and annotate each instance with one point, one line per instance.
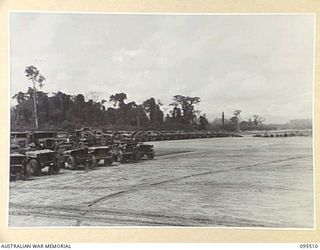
(108, 217)
(144, 186)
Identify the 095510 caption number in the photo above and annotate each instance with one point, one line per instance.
(307, 246)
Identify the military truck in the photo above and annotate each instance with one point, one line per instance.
(43, 139)
(60, 148)
(145, 151)
(101, 153)
(19, 138)
(128, 152)
(123, 136)
(77, 158)
(85, 137)
(109, 137)
(101, 138)
(140, 136)
(62, 136)
(39, 159)
(17, 164)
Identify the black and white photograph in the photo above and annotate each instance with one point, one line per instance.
(161, 120)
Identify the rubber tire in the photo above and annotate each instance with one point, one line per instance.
(150, 156)
(27, 172)
(72, 163)
(19, 176)
(109, 161)
(93, 161)
(35, 170)
(123, 159)
(115, 157)
(51, 170)
(139, 156)
(134, 157)
(57, 167)
(120, 157)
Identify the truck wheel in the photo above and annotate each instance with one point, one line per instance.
(72, 164)
(115, 157)
(150, 156)
(35, 169)
(120, 157)
(123, 159)
(93, 161)
(109, 161)
(19, 176)
(51, 170)
(27, 172)
(134, 157)
(57, 167)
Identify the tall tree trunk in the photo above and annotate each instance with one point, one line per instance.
(35, 106)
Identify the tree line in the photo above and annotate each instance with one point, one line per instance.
(64, 111)
(236, 123)
(36, 109)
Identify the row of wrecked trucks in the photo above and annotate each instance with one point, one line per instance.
(32, 151)
(144, 136)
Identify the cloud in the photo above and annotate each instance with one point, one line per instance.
(259, 63)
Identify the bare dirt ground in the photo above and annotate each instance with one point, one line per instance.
(229, 182)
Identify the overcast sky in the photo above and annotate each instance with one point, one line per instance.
(260, 64)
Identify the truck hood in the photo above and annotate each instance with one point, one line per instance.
(37, 152)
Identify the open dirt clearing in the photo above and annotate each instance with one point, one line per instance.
(236, 182)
